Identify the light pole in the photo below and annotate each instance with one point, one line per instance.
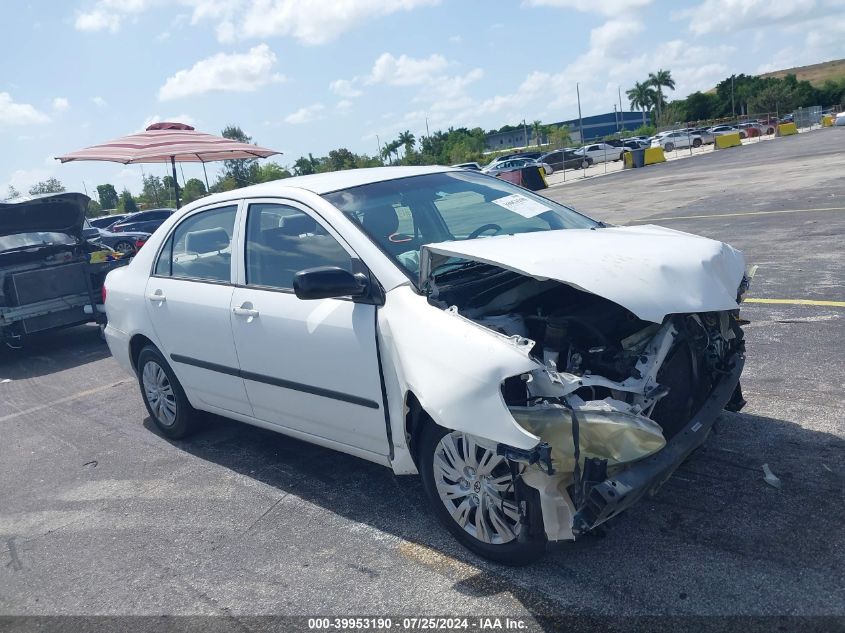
(580, 122)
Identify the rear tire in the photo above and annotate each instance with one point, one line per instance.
(479, 495)
(696, 143)
(163, 395)
(124, 247)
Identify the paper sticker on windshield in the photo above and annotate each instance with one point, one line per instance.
(526, 207)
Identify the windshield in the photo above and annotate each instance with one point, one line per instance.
(403, 215)
(18, 241)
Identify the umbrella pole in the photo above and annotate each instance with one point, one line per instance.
(175, 182)
(205, 173)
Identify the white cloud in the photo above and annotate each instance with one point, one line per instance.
(23, 179)
(12, 113)
(306, 114)
(346, 88)
(404, 70)
(238, 72)
(605, 7)
(98, 101)
(60, 104)
(314, 21)
(108, 14)
(456, 39)
(720, 16)
(343, 106)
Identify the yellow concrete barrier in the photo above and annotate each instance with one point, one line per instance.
(654, 155)
(827, 120)
(727, 140)
(787, 129)
(628, 161)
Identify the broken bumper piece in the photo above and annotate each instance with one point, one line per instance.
(615, 494)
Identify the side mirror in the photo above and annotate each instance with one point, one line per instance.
(327, 282)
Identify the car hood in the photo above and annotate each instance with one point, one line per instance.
(58, 212)
(650, 270)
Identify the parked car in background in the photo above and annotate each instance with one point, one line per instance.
(631, 143)
(50, 275)
(126, 242)
(677, 140)
(707, 137)
(751, 129)
(473, 166)
(105, 221)
(840, 120)
(601, 152)
(517, 163)
(142, 221)
(89, 232)
(443, 323)
(721, 130)
(565, 159)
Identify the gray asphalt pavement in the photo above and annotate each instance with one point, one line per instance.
(101, 515)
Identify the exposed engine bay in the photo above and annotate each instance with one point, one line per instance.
(614, 388)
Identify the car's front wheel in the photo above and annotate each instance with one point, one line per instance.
(669, 147)
(471, 492)
(696, 142)
(163, 395)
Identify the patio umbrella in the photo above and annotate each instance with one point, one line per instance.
(169, 143)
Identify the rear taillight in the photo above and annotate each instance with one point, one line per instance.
(139, 244)
(103, 293)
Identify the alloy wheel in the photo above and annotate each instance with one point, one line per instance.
(475, 486)
(159, 393)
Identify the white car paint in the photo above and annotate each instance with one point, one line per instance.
(625, 264)
(601, 152)
(452, 365)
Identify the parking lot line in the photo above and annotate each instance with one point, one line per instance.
(737, 214)
(75, 396)
(798, 302)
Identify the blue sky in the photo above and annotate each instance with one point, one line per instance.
(312, 75)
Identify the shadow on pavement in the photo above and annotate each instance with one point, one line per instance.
(52, 352)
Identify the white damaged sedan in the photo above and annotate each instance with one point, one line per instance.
(540, 371)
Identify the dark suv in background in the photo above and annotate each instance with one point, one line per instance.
(143, 221)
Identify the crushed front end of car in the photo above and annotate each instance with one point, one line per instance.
(626, 383)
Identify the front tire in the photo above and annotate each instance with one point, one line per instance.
(696, 143)
(163, 395)
(669, 147)
(469, 488)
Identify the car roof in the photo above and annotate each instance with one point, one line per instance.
(324, 183)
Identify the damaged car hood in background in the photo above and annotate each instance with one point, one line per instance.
(56, 212)
(649, 270)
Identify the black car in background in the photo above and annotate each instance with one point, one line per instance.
(566, 159)
(106, 221)
(142, 221)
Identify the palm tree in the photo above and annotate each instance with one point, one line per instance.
(661, 79)
(642, 96)
(537, 130)
(407, 139)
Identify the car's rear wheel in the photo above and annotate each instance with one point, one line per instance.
(124, 247)
(696, 142)
(471, 492)
(163, 395)
(585, 163)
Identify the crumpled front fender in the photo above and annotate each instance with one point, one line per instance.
(454, 368)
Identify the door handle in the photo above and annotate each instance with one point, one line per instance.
(247, 312)
(157, 296)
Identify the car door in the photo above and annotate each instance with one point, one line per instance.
(308, 365)
(189, 303)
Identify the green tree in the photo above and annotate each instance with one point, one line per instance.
(154, 191)
(776, 97)
(126, 203)
(537, 131)
(660, 80)
(242, 171)
(94, 209)
(12, 193)
(559, 136)
(108, 196)
(700, 106)
(305, 166)
(407, 140)
(642, 96)
(194, 189)
(51, 185)
(272, 171)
